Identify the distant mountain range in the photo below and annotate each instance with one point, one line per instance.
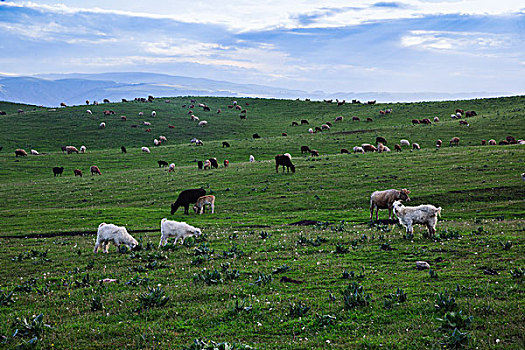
(74, 89)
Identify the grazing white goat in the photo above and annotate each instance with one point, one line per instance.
(102, 125)
(203, 123)
(111, 233)
(170, 228)
(203, 201)
(252, 158)
(422, 214)
(34, 152)
(82, 149)
(147, 123)
(404, 142)
(145, 150)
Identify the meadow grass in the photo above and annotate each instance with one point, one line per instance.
(249, 241)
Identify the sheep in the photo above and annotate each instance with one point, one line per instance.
(304, 121)
(200, 164)
(141, 114)
(436, 119)
(146, 123)
(521, 142)
(71, 149)
(453, 116)
(185, 198)
(207, 164)
(438, 144)
(284, 134)
(202, 202)
(310, 131)
(162, 163)
(492, 142)
(256, 136)
(102, 125)
(171, 167)
(416, 146)
(397, 147)
(355, 119)
(82, 149)
(123, 149)
(194, 118)
(454, 140)
(163, 138)
(470, 114)
(368, 147)
(111, 233)
(339, 119)
(404, 142)
(385, 200)
(95, 170)
(523, 176)
(171, 126)
(344, 151)
(325, 127)
(88, 111)
(426, 121)
(305, 149)
(386, 149)
(358, 149)
(369, 119)
(415, 121)
(458, 115)
(213, 162)
(58, 171)
(286, 161)
(483, 142)
(422, 214)
(314, 153)
(295, 124)
(219, 111)
(156, 142)
(148, 130)
(252, 158)
(318, 129)
(34, 152)
(381, 139)
(203, 123)
(77, 172)
(380, 147)
(463, 122)
(153, 113)
(199, 143)
(145, 150)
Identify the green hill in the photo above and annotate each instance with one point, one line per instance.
(479, 188)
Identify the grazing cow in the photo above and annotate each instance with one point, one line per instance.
(202, 202)
(454, 140)
(20, 152)
(162, 163)
(492, 142)
(225, 144)
(355, 119)
(256, 136)
(397, 147)
(58, 170)
(438, 144)
(213, 162)
(95, 170)
(463, 122)
(304, 121)
(186, 198)
(415, 121)
(295, 124)
(385, 200)
(369, 119)
(305, 149)
(344, 150)
(77, 172)
(483, 142)
(339, 119)
(415, 146)
(314, 153)
(284, 160)
(123, 149)
(470, 114)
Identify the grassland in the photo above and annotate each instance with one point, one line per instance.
(54, 271)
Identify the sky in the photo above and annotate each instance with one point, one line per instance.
(333, 46)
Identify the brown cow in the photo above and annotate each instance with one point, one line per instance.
(95, 170)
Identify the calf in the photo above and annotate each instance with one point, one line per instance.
(202, 202)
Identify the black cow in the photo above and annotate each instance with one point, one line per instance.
(214, 163)
(256, 136)
(186, 198)
(285, 161)
(162, 163)
(200, 164)
(225, 144)
(123, 149)
(58, 170)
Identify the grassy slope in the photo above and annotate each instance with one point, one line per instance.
(477, 186)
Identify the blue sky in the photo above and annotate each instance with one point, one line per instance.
(334, 46)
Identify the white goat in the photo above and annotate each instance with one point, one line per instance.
(203, 123)
(170, 228)
(102, 125)
(145, 150)
(111, 233)
(404, 142)
(422, 214)
(34, 152)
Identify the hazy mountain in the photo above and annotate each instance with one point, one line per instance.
(52, 89)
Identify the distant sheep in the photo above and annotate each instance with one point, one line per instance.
(226, 163)
(422, 214)
(463, 122)
(88, 111)
(454, 140)
(310, 130)
(58, 171)
(156, 142)
(202, 202)
(203, 123)
(404, 143)
(256, 136)
(358, 149)
(368, 147)
(252, 158)
(171, 167)
(385, 200)
(355, 119)
(71, 149)
(146, 123)
(225, 144)
(415, 146)
(436, 119)
(95, 170)
(314, 153)
(145, 150)
(339, 119)
(381, 139)
(153, 113)
(438, 144)
(102, 125)
(207, 164)
(34, 152)
(344, 151)
(162, 163)
(186, 198)
(163, 138)
(111, 233)
(214, 163)
(82, 149)
(170, 228)
(304, 121)
(492, 142)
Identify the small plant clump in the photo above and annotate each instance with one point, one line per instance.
(281, 269)
(263, 279)
(341, 249)
(298, 309)
(355, 296)
(395, 298)
(517, 273)
(445, 302)
(199, 344)
(154, 297)
(455, 320)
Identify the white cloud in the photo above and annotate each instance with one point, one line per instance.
(458, 41)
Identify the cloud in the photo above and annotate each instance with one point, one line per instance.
(458, 41)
